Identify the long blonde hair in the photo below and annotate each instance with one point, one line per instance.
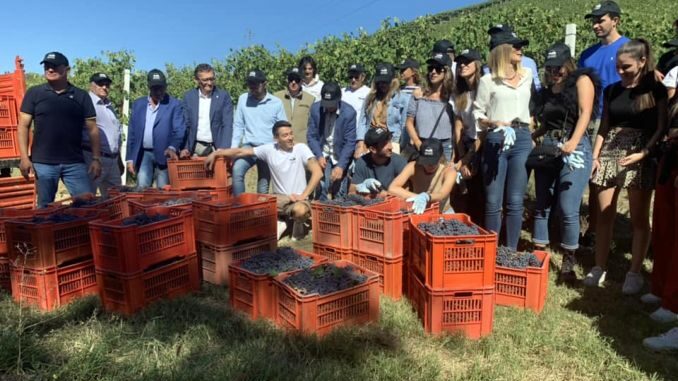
(461, 87)
(500, 60)
(385, 99)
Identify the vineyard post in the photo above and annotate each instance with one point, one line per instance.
(571, 37)
(125, 117)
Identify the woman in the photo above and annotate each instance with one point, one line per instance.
(564, 108)
(470, 196)
(310, 82)
(431, 115)
(502, 107)
(385, 106)
(633, 120)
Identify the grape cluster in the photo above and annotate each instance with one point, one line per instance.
(176, 202)
(81, 203)
(144, 219)
(126, 189)
(353, 200)
(507, 257)
(444, 227)
(275, 262)
(324, 279)
(55, 218)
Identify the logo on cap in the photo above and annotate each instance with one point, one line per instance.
(383, 71)
(597, 7)
(439, 55)
(514, 35)
(379, 131)
(353, 67)
(294, 70)
(252, 74)
(103, 75)
(156, 76)
(51, 56)
(465, 51)
(499, 26)
(551, 54)
(328, 96)
(428, 152)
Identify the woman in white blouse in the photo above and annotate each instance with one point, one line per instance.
(502, 108)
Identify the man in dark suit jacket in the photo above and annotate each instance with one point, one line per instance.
(156, 130)
(331, 136)
(208, 112)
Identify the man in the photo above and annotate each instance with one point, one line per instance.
(671, 78)
(331, 137)
(445, 47)
(59, 111)
(297, 104)
(256, 112)
(525, 61)
(669, 60)
(156, 129)
(110, 136)
(410, 77)
(288, 163)
(375, 171)
(356, 91)
(208, 112)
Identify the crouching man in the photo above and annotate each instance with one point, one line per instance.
(288, 163)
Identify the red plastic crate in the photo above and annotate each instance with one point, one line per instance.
(523, 287)
(49, 245)
(113, 207)
(470, 312)
(320, 314)
(5, 283)
(17, 192)
(333, 253)
(380, 229)
(241, 218)
(254, 294)
(8, 112)
(50, 289)
(8, 143)
(133, 248)
(460, 262)
(216, 258)
(127, 294)
(7, 214)
(390, 272)
(155, 199)
(191, 173)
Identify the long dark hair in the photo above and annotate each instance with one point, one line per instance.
(639, 49)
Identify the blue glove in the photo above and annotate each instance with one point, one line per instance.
(459, 177)
(419, 202)
(509, 136)
(368, 186)
(574, 160)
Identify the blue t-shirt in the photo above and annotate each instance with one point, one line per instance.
(603, 59)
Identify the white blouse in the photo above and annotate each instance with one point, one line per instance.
(471, 126)
(500, 102)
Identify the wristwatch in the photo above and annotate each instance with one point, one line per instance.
(97, 159)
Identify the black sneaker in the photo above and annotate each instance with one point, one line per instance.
(567, 273)
(588, 240)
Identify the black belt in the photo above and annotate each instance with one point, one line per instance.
(516, 124)
(207, 144)
(148, 149)
(104, 154)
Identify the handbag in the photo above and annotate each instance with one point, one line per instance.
(546, 157)
(408, 151)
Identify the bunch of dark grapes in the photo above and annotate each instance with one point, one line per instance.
(507, 257)
(143, 219)
(55, 218)
(126, 189)
(176, 201)
(353, 200)
(279, 261)
(81, 203)
(444, 227)
(324, 279)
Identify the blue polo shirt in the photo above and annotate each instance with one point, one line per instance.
(603, 59)
(254, 119)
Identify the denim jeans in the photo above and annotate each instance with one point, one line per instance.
(504, 172)
(47, 177)
(110, 174)
(563, 189)
(447, 149)
(148, 169)
(240, 168)
(327, 186)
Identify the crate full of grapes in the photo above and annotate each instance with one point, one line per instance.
(521, 279)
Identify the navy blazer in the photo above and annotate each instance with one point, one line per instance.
(344, 133)
(169, 129)
(221, 118)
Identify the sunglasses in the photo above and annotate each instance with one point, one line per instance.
(354, 76)
(552, 69)
(437, 69)
(295, 80)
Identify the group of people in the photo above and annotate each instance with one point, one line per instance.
(464, 133)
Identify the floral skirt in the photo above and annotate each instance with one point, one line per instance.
(621, 142)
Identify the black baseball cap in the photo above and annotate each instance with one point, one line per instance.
(671, 44)
(384, 73)
(330, 95)
(502, 38)
(440, 58)
(443, 46)
(430, 152)
(356, 68)
(255, 76)
(156, 78)
(604, 8)
(557, 54)
(376, 136)
(468, 55)
(100, 77)
(408, 63)
(293, 73)
(55, 58)
(497, 28)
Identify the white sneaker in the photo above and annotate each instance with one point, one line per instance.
(595, 277)
(662, 315)
(282, 226)
(665, 342)
(633, 283)
(650, 298)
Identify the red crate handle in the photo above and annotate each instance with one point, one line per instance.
(465, 241)
(463, 294)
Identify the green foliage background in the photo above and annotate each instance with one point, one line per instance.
(541, 21)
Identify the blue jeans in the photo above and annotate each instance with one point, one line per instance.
(563, 189)
(150, 168)
(504, 173)
(327, 186)
(47, 177)
(240, 168)
(110, 174)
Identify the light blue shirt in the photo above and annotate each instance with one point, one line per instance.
(396, 115)
(254, 119)
(108, 124)
(528, 63)
(151, 112)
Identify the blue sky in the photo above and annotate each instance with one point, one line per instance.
(187, 32)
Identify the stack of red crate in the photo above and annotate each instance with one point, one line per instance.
(451, 282)
(12, 89)
(190, 174)
(234, 229)
(138, 263)
(51, 257)
(17, 192)
(111, 208)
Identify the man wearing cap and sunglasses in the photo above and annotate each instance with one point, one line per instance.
(297, 104)
(110, 134)
(59, 111)
(374, 172)
(356, 91)
(156, 130)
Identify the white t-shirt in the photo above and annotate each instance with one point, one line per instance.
(314, 88)
(671, 78)
(204, 133)
(471, 127)
(288, 169)
(355, 98)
